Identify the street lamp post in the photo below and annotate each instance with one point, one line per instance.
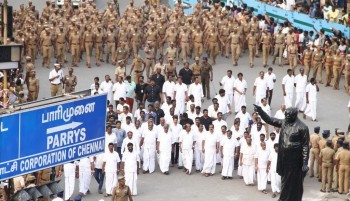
(5, 43)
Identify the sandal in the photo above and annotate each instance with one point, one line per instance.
(264, 191)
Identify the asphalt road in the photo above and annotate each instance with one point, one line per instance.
(331, 113)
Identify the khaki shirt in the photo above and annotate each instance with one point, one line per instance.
(343, 157)
(314, 140)
(327, 155)
(206, 69)
(322, 143)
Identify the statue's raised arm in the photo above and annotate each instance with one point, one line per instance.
(269, 120)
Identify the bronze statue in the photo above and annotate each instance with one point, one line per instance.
(293, 155)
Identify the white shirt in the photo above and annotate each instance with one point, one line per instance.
(197, 91)
(53, 74)
(262, 156)
(248, 155)
(110, 138)
(273, 158)
(150, 137)
(120, 90)
(240, 85)
(175, 131)
(270, 78)
(223, 103)
(128, 127)
(165, 141)
(244, 119)
(228, 84)
(99, 161)
(237, 134)
(180, 92)
(228, 146)
(261, 86)
(169, 88)
(312, 90)
(122, 117)
(217, 125)
(130, 160)
(137, 113)
(166, 108)
(289, 4)
(125, 143)
(280, 115)
(107, 87)
(212, 113)
(186, 139)
(120, 107)
(288, 82)
(85, 163)
(198, 136)
(210, 140)
(266, 109)
(300, 82)
(111, 160)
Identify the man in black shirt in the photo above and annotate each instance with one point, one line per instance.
(185, 120)
(158, 111)
(159, 79)
(186, 74)
(206, 120)
(153, 93)
(140, 90)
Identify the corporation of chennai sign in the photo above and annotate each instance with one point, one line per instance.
(45, 137)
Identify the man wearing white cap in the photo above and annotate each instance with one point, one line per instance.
(55, 78)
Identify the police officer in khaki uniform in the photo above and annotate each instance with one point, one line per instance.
(31, 43)
(317, 58)
(292, 51)
(338, 148)
(138, 66)
(343, 167)
(122, 53)
(326, 158)
(234, 40)
(314, 151)
(88, 39)
(46, 43)
(33, 86)
(307, 57)
(136, 40)
(337, 65)
(224, 34)
(252, 43)
(29, 68)
(60, 40)
(197, 38)
(328, 63)
(265, 40)
(111, 40)
(99, 40)
(196, 69)
(279, 47)
(171, 52)
(207, 75)
(70, 81)
(213, 42)
(74, 42)
(184, 38)
(150, 58)
(346, 69)
(321, 145)
(170, 68)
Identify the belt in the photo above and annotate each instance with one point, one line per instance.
(292, 53)
(183, 42)
(31, 44)
(196, 74)
(98, 42)
(88, 41)
(234, 43)
(75, 44)
(110, 41)
(197, 42)
(278, 43)
(318, 60)
(149, 58)
(55, 84)
(344, 164)
(326, 162)
(60, 43)
(46, 45)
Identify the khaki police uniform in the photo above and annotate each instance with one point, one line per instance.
(327, 155)
(317, 65)
(314, 153)
(279, 47)
(328, 63)
(344, 166)
(337, 64)
(206, 69)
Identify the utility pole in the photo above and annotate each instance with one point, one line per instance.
(5, 43)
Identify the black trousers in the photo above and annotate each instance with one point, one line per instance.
(270, 97)
(175, 153)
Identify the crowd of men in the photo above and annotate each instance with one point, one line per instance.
(155, 113)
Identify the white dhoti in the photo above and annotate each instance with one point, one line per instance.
(262, 179)
(199, 158)
(181, 106)
(141, 154)
(164, 160)
(149, 159)
(288, 98)
(239, 170)
(230, 98)
(218, 158)
(275, 182)
(258, 98)
(300, 101)
(84, 180)
(209, 161)
(239, 101)
(111, 181)
(227, 166)
(180, 162)
(310, 110)
(69, 180)
(248, 174)
(131, 181)
(187, 156)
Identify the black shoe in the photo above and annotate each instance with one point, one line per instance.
(223, 178)
(230, 177)
(180, 167)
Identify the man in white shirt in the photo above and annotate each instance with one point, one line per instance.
(55, 78)
(127, 125)
(213, 111)
(69, 179)
(210, 147)
(121, 105)
(236, 131)
(164, 146)
(218, 123)
(244, 117)
(130, 139)
(129, 167)
(196, 90)
(98, 161)
(247, 161)
(227, 84)
(261, 159)
(169, 87)
(180, 94)
(260, 89)
(288, 88)
(267, 110)
(224, 103)
(86, 167)
(92, 86)
(110, 167)
(228, 149)
(107, 87)
(175, 130)
(166, 105)
(280, 113)
(271, 167)
(187, 143)
(199, 155)
(149, 140)
(110, 137)
(240, 89)
(120, 89)
(270, 79)
(300, 83)
(311, 99)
